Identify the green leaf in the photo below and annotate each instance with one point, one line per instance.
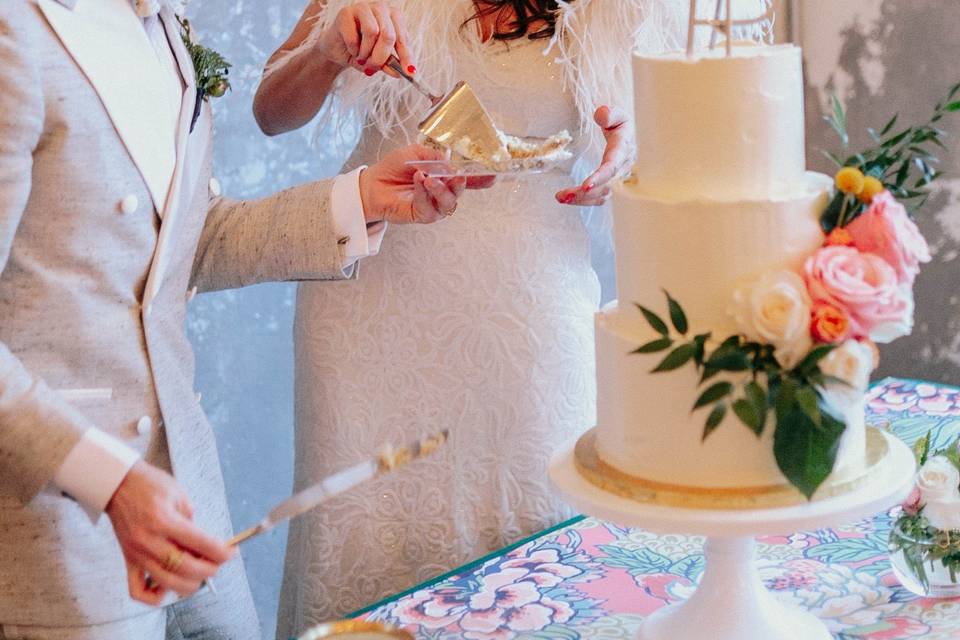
(805, 453)
(655, 346)
(831, 215)
(715, 392)
(748, 415)
(810, 362)
(677, 316)
(654, 321)
(677, 358)
(784, 400)
(953, 106)
(758, 398)
(714, 419)
(700, 342)
(729, 359)
(708, 373)
(809, 403)
(889, 126)
(832, 157)
(921, 449)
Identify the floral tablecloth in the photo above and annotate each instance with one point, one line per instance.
(591, 579)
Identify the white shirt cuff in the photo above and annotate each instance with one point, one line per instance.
(93, 470)
(348, 219)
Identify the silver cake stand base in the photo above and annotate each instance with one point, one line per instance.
(731, 602)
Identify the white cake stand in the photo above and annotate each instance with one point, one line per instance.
(731, 602)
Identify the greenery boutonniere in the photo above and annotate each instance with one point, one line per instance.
(210, 67)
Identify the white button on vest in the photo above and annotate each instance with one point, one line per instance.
(215, 187)
(129, 204)
(144, 425)
(191, 294)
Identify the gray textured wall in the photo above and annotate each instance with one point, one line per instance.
(881, 56)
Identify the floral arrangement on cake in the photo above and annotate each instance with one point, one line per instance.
(807, 340)
(927, 532)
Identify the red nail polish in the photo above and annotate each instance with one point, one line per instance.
(588, 188)
(369, 72)
(569, 198)
(411, 69)
(362, 62)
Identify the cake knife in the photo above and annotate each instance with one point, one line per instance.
(311, 497)
(303, 501)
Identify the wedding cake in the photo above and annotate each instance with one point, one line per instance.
(719, 198)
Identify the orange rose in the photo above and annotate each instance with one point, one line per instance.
(839, 237)
(830, 324)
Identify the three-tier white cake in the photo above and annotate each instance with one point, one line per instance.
(719, 195)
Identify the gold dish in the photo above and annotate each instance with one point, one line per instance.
(355, 630)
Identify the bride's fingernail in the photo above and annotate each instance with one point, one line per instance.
(369, 72)
(569, 198)
(588, 187)
(362, 62)
(411, 69)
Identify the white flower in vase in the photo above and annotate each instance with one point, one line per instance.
(775, 310)
(939, 484)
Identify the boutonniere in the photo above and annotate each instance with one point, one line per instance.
(210, 68)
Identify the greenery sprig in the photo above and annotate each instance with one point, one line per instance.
(210, 67)
(903, 161)
(807, 432)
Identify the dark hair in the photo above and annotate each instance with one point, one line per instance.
(528, 12)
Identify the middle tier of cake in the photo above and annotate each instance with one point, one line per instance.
(701, 250)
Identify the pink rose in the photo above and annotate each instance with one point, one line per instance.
(866, 287)
(911, 506)
(886, 230)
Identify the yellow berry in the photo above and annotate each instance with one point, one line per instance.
(850, 180)
(871, 188)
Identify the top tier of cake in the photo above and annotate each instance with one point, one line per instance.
(712, 127)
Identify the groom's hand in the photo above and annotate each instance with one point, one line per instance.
(393, 191)
(152, 518)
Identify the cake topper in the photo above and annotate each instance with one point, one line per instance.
(723, 24)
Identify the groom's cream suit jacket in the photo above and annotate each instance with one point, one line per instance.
(98, 260)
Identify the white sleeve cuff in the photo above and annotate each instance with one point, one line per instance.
(93, 470)
(348, 220)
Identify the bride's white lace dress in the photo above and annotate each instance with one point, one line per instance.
(481, 324)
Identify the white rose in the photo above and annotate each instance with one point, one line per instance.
(852, 362)
(938, 481)
(775, 310)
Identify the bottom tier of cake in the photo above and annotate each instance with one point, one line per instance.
(646, 428)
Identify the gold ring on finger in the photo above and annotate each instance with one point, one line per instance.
(173, 560)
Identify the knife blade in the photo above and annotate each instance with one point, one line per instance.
(315, 495)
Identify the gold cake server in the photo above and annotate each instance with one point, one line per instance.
(311, 497)
(457, 117)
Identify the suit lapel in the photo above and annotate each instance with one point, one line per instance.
(185, 174)
(107, 41)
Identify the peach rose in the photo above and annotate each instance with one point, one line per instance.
(829, 324)
(865, 287)
(886, 230)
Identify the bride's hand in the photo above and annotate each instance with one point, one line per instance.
(617, 157)
(396, 192)
(364, 35)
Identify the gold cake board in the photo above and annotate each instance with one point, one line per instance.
(606, 477)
